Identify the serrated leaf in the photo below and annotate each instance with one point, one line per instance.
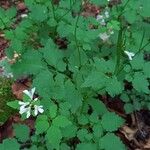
(114, 87)
(97, 106)
(11, 144)
(140, 83)
(110, 142)
(53, 110)
(61, 121)
(129, 108)
(86, 146)
(41, 124)
(54, 136)
(21, 132)
(111, 121)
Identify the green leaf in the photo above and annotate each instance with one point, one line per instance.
(146, 69)
(44, 84)
(14, 104)
(86, 146)
(111, 142)
(30, 63)
(114, 87)
(72, 96)
(41, 124)
(140, 83)
(21, 132)
(99, 2)
(129, 108)
(98, 130)
(10, 144)
(69, 131)
(54, 56)
(111, 121)
(97, 105)
(53, 111)
(61, 121)
(96, 80)
(54, 136)
(38, 12)
(83, 120)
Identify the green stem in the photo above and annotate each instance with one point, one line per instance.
(76, 41)
(119, 50)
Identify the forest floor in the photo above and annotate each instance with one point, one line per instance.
(136, 131)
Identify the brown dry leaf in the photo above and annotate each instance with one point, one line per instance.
(128, 132)
(21, 6)
(17, 89)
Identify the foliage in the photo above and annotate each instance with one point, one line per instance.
(69, 77)
(5, 96)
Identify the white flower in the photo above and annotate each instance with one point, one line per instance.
(30, 93)
(129, 54)
(101, 19)
(106, 14)
(26, 107)
(24, 15)
(104, 36)
(38, 109)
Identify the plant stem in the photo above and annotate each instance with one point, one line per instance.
(76, 41)
(119, 50)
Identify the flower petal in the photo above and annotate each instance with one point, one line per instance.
(28, 112)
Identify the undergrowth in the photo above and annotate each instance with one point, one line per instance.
(99, 54)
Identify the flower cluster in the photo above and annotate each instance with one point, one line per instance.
(102, 20)
(30, 105)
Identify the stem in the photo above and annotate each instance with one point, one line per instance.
(75, 34)
(53, 10)
(119, 50)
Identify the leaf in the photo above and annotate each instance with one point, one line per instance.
(72, 96)
(21, 132)
(38, 12)
(129, 108)
(111, 142)
(53, 56)
(61, 121)
(86, 146)
(53, 111)
(41, 124)
(96, 80)
(30, 64)
(111, 121)
(99, 2)
(137, 62)
(98, 130)
(70, 131)
(97, 106)
(83, 120)
(114, 87)
(146, 69)
(44, 84)
(10, 144)
(54, 136)
(140, 83)
(13, 104)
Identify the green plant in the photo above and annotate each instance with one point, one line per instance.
(94, 59)
(5, 96)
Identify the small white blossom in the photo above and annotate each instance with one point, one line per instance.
(129, 54)
(106, 14)
(24, 15)
(101, 20)
(26, 107)
(104, 36)
(38, 109)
